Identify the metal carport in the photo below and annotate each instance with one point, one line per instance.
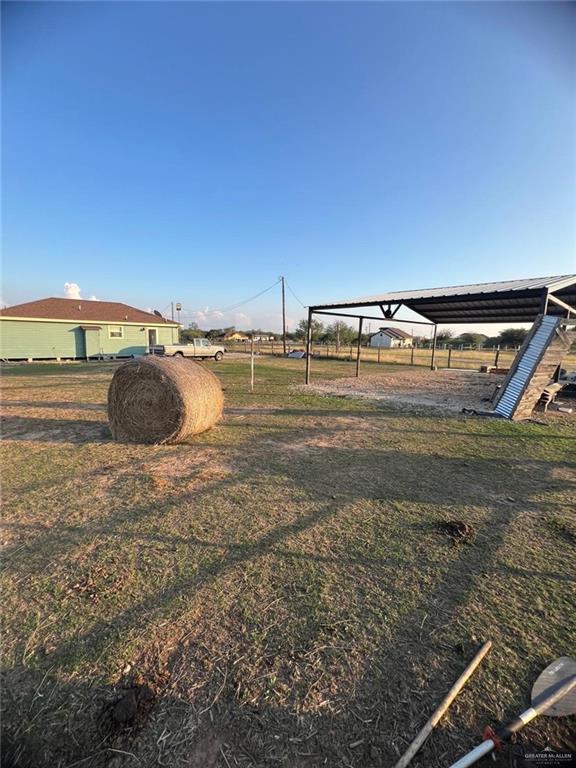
(508, 301)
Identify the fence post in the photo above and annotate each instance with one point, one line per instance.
(252, 364)
(412, 355)
(496, 358)
(449, 355)
(359, 348)
(379, 348)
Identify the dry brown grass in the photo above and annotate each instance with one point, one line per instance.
(279, 591)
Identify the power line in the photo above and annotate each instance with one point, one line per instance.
(236, 305)
(241, 303)
(293, 294)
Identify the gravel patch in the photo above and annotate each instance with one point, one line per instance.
(448, 390)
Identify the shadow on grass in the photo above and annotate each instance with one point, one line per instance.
(54, 404)
(28, 429)
(363, 726)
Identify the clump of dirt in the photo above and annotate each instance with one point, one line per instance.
(128, 711)
(459, 531)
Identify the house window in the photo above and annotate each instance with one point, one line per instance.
(115, 332)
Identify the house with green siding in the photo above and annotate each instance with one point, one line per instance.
(80, 329)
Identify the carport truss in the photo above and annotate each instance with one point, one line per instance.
(510, 301)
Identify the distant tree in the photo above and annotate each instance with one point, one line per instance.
(442, 337)
(471, 339)
(302, 330)
(491, 342)
(188, 334)
(214, 332)
(192, 332)
(339, 333)
(512, 337)
(259, 332)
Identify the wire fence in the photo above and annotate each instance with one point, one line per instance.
(446, 357)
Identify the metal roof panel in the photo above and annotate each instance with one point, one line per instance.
(498, 302)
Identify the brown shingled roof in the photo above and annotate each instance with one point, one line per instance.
(83, 310)
(395, 333)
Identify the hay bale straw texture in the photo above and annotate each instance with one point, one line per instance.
(162, 400)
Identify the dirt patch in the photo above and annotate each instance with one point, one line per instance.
(449, 390)
(457, 530)
(129, 710)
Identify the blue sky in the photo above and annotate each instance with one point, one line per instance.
(157, 151)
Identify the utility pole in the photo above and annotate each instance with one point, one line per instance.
(172, 305)
(283, 316)
(178, 308)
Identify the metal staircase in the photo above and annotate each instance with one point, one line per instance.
(534, 367)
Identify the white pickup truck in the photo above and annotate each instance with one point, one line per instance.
(196, 348)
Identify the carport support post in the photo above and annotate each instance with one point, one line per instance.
(433, 361)
(544, 301)
(308, 345)
(360, 321)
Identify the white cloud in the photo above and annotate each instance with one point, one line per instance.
(205, 316)
(267, 320)
(72, 291)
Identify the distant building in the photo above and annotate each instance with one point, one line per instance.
(390, 338)
(233, 336)
(72, 329)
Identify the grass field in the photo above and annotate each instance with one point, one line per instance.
(279, 591)
(444, 358)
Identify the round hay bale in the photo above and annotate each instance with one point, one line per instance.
(162, 400)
